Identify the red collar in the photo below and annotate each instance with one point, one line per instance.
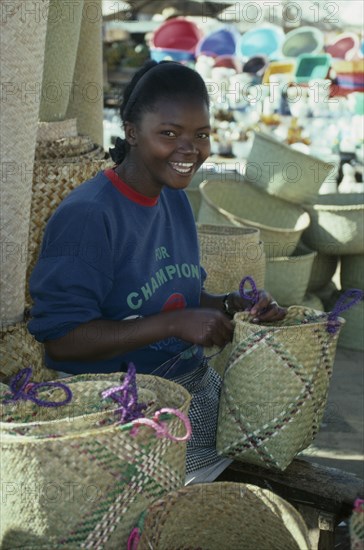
(127, 191)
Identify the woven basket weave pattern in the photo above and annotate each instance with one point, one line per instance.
(275, 387)
(352, 271)
(228, 254)
(337, 224)
(283, 171)
(113, 476)
(240, 203)
(222, 515)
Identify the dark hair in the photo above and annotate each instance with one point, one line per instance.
(152, 83)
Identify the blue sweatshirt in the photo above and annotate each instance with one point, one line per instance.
(109, 252)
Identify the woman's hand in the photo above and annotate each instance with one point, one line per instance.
(266, 308)
(204, 326)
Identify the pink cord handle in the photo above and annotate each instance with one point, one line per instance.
(160, 427)
(133, 540)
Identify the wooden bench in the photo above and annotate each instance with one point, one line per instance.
(323, 496)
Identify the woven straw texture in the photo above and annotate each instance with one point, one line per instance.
(51, 131)
(85, 488)
(63, 31)
(52, 182)
(87, 100)
(222, 515)
(287, 277)
(19, 350)
(352, 334)
(337, 224)
(64, 147)
(228, 254)
(22, 42)
(323, 269)
(352, 271)
(240, 203)
(282, 171)
(275, 387)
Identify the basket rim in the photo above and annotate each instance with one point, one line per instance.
(295, 257)
(304, 218)
(220, 230)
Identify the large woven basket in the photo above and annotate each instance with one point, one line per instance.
(323, 269)
(53, 180)
(218, 516)
(19, 349)
(241, 203)
(82, 483)
(337, 224)
(287, 277)
(275, 387)
(285, 172)
(228, 254)
(352, 334)
(352, 271)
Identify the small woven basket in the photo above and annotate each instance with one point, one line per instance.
(282, 171)
(323, 269)
(228, 253)
(242, 204)
(337, 224)
(287, 277)
(82, 479)
(352, 271)
(52, 182)
(275, 387)
(220, 515)
(19, 349)
(65, 147)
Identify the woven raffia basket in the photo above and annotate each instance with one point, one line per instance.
(82, 479)
(240, 203)
(337, 224)
(19, 349)
(53, 180)
(352, 334)
(287, 277)
(60, 129)
(229, 253)
(275, 387)
(218, 516)
(323, 269)
(352, 271)
(284, 172)
(66, 147)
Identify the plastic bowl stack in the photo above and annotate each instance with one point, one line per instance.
(175, 39)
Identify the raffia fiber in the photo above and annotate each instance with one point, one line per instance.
(63, 31)
(64, 147)
(323, 269)
(52, 182)
(222, 515)
(240, 203)
(22, 36)
(51, 131)
(19, 349)
(337, 224)
(275, 387)
(86, 488)
(284, 172)
(86, 101)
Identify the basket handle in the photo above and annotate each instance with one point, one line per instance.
(134, 538)
(341, 305)
(22, 388)
(160, 427)
(254, 295)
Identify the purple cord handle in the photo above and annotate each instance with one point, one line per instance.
(23, 389)
(126, 395)
(161, 428)
(343, 304)
(254, 295)
(134, 538)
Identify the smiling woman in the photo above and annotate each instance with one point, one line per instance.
(139, 297)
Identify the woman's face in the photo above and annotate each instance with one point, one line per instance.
(168, 145)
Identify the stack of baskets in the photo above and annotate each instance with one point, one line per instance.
(269, 196)
(73, 476)
(337, 233)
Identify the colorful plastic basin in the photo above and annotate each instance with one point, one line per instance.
(303, 40)
(220, 42)
(264, 40)
(345, 46)
(177, 34)
(256, 65)
(279, 67)
(310, 66)
(161, 54)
